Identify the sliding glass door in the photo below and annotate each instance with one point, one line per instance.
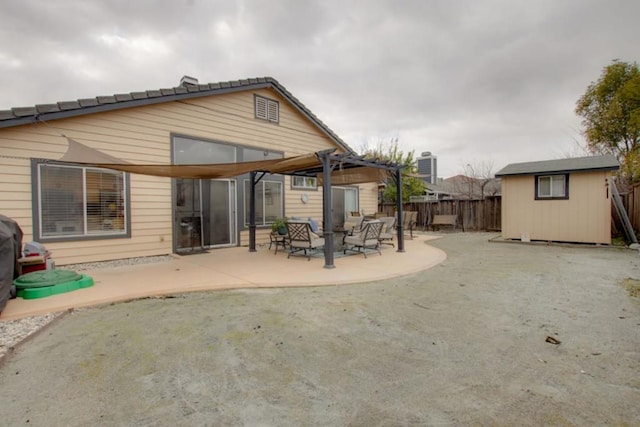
(219, 213)
(343, 201)
(205, 214)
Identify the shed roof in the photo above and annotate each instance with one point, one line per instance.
(577, 164)
(60, 110)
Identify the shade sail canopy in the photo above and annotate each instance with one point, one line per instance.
(303, 165)
(327, 166)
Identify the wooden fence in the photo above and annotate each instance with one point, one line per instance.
(485, 214)
(473, 215)
(631, 201)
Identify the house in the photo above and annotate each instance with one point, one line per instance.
(565, 200)
(85, 214)
(460, 187)
(468, 187)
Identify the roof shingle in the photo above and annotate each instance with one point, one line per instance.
(25, 115)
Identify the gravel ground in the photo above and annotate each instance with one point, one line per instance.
(14, 331)
(499, 334)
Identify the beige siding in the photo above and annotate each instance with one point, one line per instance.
(585, 217)
(262, 237)
(369, 198)
(143, 135)
(294, 206)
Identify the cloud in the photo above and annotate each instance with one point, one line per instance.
(467, 80)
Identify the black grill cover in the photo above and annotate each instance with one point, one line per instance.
(10, 249)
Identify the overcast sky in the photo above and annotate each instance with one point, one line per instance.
(471, 81)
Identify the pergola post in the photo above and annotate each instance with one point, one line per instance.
(252, 213)
(327, 220)
(400, 227)
(328, 161)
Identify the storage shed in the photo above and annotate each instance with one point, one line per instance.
(565, 200)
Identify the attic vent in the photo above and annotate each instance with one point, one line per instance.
(188, 81)
(267, 109)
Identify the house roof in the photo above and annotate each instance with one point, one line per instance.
(65, 109)
(461, 185)
(577, 164)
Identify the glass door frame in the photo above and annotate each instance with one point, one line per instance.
(342, 202)
(194, 224)
(232, 213)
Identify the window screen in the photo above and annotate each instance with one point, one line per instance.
(78, 201)
(552, 187)
(304, 182)
(269, 201)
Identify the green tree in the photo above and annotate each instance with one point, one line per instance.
(610, 112)
(389, 150)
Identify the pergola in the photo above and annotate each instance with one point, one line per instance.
(350, 167)
(327, 166)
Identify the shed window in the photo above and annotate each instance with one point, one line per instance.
(78, 202)
(267, 109)
(552, 187)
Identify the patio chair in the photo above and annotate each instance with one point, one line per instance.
(387, 233)
(367, 238)
(302, 239)
(409, 221)
(352, 224)
(280, 240)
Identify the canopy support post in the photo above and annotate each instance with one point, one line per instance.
(400, 225)
(327, 220)
(252, 209)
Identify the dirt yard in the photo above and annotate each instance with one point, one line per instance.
(464, 343)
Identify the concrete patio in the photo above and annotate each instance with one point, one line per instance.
(232, 268)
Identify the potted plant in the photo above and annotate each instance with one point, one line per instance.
(279, 226)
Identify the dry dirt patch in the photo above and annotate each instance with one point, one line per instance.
(464, 343)
(632, 286)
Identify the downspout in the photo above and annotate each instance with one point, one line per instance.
(400, 227)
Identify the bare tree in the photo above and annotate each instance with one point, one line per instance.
(578, 149)
(475, 178)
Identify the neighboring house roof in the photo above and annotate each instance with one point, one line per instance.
(60, 110)
(461, 185)
(577, 164)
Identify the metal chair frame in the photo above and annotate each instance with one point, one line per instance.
(368, 238)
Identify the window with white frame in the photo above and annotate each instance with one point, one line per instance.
(79, 202)
(267, 109)
(552, 186)
(304, 183)
(269, 201)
